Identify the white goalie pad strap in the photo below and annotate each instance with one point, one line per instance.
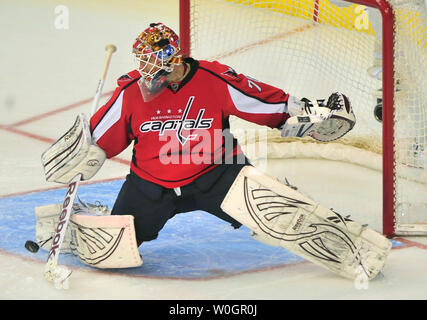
(102, 241)
(282, 216)
(73, 153)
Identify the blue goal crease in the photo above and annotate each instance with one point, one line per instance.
(191, 245)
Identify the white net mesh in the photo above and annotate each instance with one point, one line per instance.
(313, 48)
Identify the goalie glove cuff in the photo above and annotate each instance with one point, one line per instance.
(295, 106)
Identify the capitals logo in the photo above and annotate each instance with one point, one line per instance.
(179, 125)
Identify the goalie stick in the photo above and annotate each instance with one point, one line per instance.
(53, 272)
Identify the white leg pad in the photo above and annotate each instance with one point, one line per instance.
(281, 216)
(47, 218)
(100, 241)
(105, 241)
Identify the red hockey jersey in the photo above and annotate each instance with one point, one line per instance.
(178, 135)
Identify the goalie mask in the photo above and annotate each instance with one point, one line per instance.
(156, 51)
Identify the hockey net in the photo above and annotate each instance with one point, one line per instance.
(311, 48)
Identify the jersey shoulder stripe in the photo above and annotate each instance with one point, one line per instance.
(109, 118)
(234, 80)
(123, 82)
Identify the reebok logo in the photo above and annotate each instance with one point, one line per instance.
(299, 223)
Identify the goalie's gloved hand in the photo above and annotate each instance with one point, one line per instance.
(73, 153)
(322, 121)
(336, 101)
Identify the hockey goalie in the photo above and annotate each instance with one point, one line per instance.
(176, 111)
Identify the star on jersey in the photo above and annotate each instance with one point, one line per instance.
(169, 111)
(179, 125)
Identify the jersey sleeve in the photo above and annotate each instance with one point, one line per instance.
(110, 124)
(253, 100)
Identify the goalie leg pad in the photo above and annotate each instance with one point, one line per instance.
(101, 241)
(105, 241)
(47, 219)
(282, 216)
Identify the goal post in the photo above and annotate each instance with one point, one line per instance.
(316, 47)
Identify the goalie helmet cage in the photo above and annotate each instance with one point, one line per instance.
(317, 47)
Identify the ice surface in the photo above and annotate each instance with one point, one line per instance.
(44, 70)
